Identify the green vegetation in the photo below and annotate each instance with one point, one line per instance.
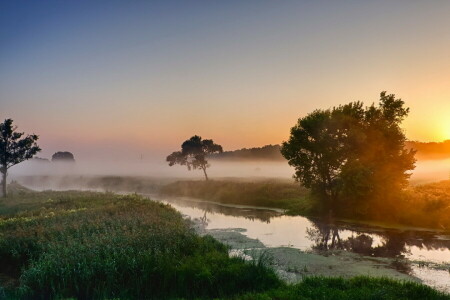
(352, 157)
(88, 245)
(138, 184)
(274, 194)
(94, 245)
(425, 205)
(312, 288)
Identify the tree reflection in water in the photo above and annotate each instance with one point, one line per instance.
(393, 243)
(371, 241)
(253, 214)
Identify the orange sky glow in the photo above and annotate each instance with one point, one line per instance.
(122, 80)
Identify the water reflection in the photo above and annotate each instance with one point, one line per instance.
(274, 229)
(373, 241)
(249, 213)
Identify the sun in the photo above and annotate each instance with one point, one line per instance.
(446, 130)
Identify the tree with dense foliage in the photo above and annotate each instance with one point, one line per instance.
(63, 156)
(352, 157)
(14, 148)
(193, 154)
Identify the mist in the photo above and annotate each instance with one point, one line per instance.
(431, 171)
(425, 171)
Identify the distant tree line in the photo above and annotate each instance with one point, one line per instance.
(58, 157)
(430, 150)
(265, 153)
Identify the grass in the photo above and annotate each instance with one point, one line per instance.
(314, 288)
(426, 205)
(273, 194)
(86, 245)
(95, 246)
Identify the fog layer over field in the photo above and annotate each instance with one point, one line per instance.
(426, 170)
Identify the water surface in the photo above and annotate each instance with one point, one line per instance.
(427, 253)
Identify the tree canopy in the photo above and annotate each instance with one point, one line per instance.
(14, 148)
(193, 154)
(352, 156)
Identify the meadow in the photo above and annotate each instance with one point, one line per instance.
(89, 245)
(262, 193)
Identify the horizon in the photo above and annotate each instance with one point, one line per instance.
(113, 80)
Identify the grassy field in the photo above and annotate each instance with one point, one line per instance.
(274, 194)
(87, 245)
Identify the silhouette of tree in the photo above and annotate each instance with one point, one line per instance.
(63, 156)
(14, 148)
(193, 154)
(349, 154)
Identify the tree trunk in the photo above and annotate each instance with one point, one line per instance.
(4, 184)
(204, 172)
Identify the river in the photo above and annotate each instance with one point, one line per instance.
(419, 253)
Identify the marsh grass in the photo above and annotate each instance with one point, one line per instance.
(274, 194)
(96, 246)
(312, 288)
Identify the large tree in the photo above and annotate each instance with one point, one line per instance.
(14, 148)
(352, 156)
(193, 154)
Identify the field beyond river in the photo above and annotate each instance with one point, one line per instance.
(92, 245)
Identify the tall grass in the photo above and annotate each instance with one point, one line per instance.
(275, 194)
(96, 246)
(313, 288)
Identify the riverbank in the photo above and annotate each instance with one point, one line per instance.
(273, 193)
(102, 245)
(294, 265)
(421, 207)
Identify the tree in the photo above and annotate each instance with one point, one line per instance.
(193, 154)
(14, 148)
(350, 154)
(63, 157)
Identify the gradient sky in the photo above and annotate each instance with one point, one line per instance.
(132, 77)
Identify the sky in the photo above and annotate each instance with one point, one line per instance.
(117, 79)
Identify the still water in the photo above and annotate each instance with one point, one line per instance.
(427, 252)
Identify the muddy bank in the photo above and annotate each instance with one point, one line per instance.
(293, 264)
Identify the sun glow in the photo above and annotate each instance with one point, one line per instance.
(446, 129)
